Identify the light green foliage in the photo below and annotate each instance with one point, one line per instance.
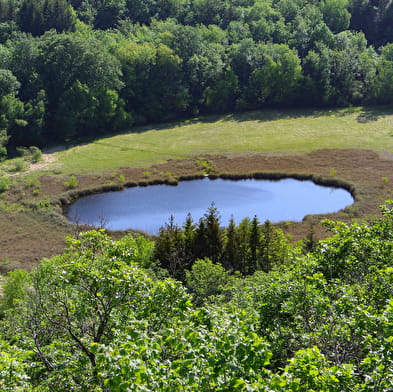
(333, 298)
(13, 369)
(208, 168)
(19, 164)
(4, 183)
(15, 288)
(309, 370)
(71, 183)
(93, 319)
(31, 153)
(89, 295)
(206, 279)
(142, 249)
(210, 351)
(34, 183)
(36, 154)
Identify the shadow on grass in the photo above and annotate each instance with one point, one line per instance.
(365, 115)
(374, 113)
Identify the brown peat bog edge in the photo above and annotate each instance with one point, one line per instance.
(29, 234)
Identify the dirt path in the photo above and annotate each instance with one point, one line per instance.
(46, 160)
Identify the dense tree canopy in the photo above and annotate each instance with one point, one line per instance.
(70, 68)
(103, 316)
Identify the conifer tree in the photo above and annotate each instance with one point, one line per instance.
(169, 249)
(274, 249)
(243, 248)
(254, 244)
(214, 234)
(265, 249)
(189, 239)
(310, 242)
(229, 257)
(200, 240)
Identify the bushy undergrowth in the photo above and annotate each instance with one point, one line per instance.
(103, 317)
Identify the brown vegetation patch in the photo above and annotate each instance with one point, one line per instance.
(39, 232)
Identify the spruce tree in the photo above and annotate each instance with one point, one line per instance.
(243, 248)
(310, 242)
(200, 240)
(229, 257)
(214, 234)
(265, 248)
(169, 249)
(189, 239)
(254, 245)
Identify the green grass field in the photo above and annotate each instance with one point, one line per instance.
(269, 131)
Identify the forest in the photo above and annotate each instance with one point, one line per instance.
(72, 69)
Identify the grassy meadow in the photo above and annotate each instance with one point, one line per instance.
(267, 131)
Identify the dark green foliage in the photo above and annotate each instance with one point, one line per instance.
(254, 245)
(127, 62)
(246, 248)
(170, 250)
(36, 17)
(231, 246)
(110, 13)
(213, 234)
(310, 242)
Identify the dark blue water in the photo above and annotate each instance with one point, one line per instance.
(148, 208)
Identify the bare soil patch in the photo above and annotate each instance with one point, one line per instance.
(28, 235)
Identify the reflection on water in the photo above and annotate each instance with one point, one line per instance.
(148, 208)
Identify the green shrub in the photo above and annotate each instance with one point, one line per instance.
(4, 183)
(71, 183)
(34, 183)
(3, 153)
(36, 154)
(19, 165)
(208, 168)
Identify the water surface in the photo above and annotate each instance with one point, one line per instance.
(148, 208)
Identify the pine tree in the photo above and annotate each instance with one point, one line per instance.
(265, 248)
(189, 239)
(170, 251)
(243, 248)
(229, 257)
(214, 234)
(310, 242)
(200, 240)
(254, 244)
(274, 249)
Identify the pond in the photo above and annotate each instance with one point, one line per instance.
(148, 208)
